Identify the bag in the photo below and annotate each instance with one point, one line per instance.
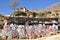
(9, 33)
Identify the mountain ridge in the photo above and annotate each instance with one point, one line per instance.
(55, 6)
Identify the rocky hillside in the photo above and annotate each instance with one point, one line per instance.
(52, 7)
(55, 6)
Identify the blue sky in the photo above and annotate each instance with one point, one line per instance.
(29, 4)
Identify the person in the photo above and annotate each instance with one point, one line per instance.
(5, 30)
(30, 31)
(21, 31)
(14, 33)
(37, 30)
(39, 26)
(12, 26)
(54, 28)
(49, 29)
(14, 30)
(43, 30)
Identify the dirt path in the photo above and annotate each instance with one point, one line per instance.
(54, 37)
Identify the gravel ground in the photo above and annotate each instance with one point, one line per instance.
(54, 37)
